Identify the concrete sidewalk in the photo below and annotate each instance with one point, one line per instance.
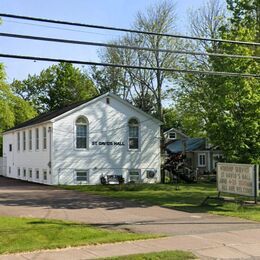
(243, 244)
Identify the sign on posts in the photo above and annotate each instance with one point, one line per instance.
(241, 179)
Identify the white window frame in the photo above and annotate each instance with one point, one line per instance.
(30, 173)
(30, 140)
(199, 162)
(24, 140)
(172, 138)
(87, 133)
(134, 170)
(37, 139)
(44, 138)
(82, 171)
(45, 175)
(37, 172)
(18, 141)
(24, 173)
(138, 135)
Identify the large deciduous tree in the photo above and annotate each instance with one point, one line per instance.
(55, 87)
(13, 109)
(234, 118)
(228, 107)
(138, 85)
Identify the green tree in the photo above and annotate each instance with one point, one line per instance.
(13, 110)
(137, 84)
(234, 116)
(56, 87)
(228, 108)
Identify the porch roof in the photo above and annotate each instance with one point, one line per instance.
(192, 144)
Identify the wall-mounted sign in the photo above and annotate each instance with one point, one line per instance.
(108, 143)
(239, 179)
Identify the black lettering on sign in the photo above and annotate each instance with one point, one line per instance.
(119, 143)
(108, 143)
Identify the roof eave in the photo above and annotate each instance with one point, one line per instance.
(24, 127)
(135, 108)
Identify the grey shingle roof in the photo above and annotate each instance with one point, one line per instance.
(47, 116)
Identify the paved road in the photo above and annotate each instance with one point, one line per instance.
(23, 199)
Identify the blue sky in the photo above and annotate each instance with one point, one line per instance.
(118, 13)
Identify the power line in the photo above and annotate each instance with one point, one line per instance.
(110, 45)
(59, 28)
(213, 73)
(126, 30)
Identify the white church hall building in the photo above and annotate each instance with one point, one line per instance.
(81, 143)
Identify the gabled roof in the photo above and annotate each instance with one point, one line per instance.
(52, 115)
(177, 131)
(192, 144)
(46, 116)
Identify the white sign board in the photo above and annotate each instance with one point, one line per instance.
(239, 179)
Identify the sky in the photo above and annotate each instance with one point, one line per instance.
(117, 13)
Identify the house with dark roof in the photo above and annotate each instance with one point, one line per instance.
(198, 153)
(85, 143)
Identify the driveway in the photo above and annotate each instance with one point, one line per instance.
(24, 199)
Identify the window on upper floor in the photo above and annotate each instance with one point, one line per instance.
(37, 138)
(81, 133)
(30, 139)
(18, 141)
(24, 140)
(172, 135)
(133, 134)
(44, 135)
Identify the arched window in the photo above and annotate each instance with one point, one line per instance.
(133, 134)
(81, 132)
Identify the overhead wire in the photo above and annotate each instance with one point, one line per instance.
(213, 73)
(111, 45)
(60, 28)
(126, 30)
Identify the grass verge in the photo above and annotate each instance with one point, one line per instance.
(28, 234)
(187, 198)
(165, 255)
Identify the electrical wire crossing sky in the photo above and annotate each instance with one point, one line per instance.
(103, 30)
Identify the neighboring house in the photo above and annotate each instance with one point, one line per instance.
(199, 154)
(82, 142)
(174, 134)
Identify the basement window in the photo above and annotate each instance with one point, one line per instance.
(82, 176)
(134, 176)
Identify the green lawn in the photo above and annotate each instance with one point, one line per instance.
(188, 198)
(28, 234)
(165, 255)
